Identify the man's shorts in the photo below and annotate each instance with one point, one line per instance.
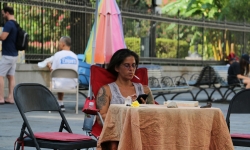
(64, 83)
(8, 65)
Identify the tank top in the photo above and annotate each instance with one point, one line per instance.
(117, 97)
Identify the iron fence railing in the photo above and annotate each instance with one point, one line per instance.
(179, 62)
(150, 60)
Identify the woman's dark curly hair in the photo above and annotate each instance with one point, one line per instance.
(118, 57)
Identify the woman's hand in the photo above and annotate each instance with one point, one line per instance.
(133, 97)
(143, 101)
(150, 98)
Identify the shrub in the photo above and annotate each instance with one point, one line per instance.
(167, 48)
(207, 53)
(133, 44)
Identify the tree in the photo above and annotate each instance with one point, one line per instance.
(44, 25)
(236, 10)
(205, 9)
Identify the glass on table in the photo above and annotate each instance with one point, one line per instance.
(128, 101)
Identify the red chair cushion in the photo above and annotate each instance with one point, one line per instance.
(240, 135)
(100, 77)
(61, 136)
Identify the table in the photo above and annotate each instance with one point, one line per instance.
(156, 127)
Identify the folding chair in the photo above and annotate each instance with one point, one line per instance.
(35, 97)
(240, 104)
(65, 73)
(99, 77)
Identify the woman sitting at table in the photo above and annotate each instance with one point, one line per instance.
(123, 65)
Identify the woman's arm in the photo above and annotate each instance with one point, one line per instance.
(150, 98)
(103, 101)
(239, 76)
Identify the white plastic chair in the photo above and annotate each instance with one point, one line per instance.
(67, 74)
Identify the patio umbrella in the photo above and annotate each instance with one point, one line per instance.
(107, 33)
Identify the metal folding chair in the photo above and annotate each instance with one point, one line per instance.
(69, 74)
(35, 97)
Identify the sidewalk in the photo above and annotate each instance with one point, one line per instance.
(11, 122)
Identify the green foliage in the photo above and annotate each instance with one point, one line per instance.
(133, 44)
(172, 8)
(237, 10)
(166, 48)
(139, 5)
(207, 51)
(210, 9)
(166, 30)
(44, 25)
(187, 8)
(136, 28)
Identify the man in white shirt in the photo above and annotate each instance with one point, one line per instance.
(64, 58)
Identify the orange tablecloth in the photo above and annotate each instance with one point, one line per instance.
(156, 127)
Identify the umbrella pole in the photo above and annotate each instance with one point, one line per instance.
(90, 93)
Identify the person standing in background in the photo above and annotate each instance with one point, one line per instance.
(9, 54)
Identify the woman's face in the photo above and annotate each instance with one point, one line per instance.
(127, 68)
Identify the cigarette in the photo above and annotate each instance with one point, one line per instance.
(137, 77)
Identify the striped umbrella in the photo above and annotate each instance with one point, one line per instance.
(107, 33)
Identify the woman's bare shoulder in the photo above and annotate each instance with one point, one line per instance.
(104, 89)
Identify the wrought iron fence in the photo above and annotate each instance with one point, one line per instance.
(46, 21)
(147, 33)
